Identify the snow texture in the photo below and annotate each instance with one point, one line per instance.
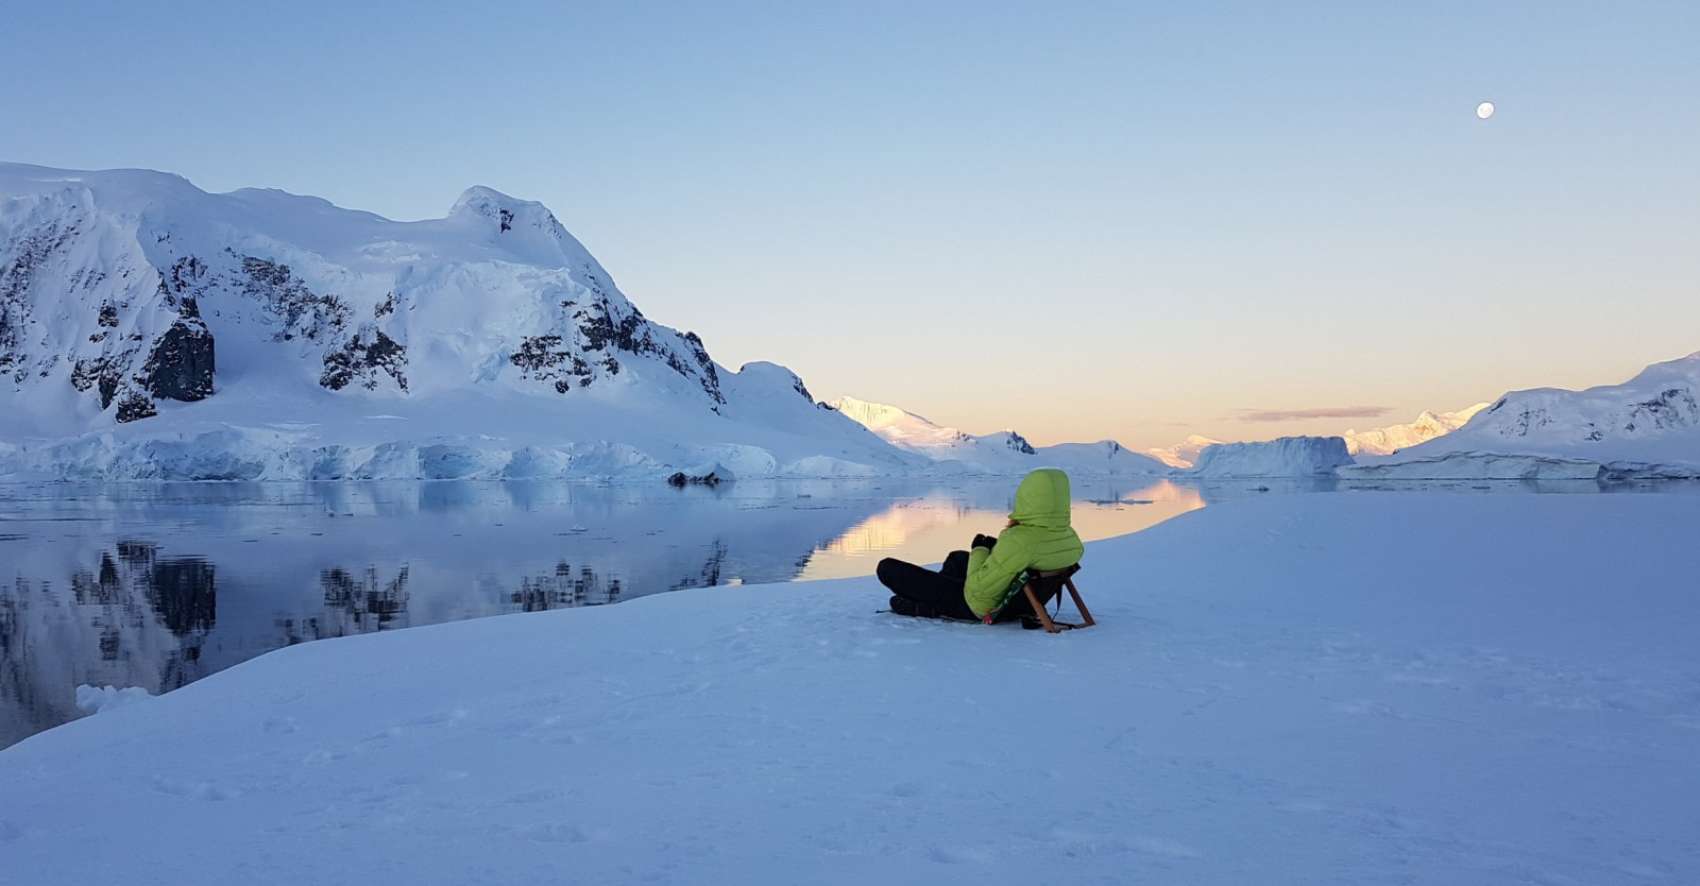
(1003, 453)
(95, 699)
(1279, 691)
(1645, 428)
(150, 330)
(1183, 454)
(1281, 457)
(1391, 439)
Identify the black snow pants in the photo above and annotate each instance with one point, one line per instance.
(926, 593)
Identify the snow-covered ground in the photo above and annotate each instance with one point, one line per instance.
(1358, 688)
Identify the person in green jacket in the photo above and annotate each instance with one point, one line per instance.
(974, 583)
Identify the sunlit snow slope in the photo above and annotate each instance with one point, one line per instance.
(1005, 452)
(1391, 439)
(1647, 427)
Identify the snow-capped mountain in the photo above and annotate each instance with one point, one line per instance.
(1391, 439)
(1281, 457)
(1005, 452)
(150, 329)
(1648, 426)
(1183, 454)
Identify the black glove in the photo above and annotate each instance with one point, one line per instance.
(984, 541)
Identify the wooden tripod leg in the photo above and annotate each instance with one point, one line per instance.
(1039, 609)
(1085, 614)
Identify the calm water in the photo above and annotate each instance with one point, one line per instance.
(158, 585)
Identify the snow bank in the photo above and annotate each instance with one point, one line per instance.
(1281, 457)
(95, 699)
(1280, 691)
(1474, 466)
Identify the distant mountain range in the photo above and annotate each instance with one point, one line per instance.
(1646, 427)
(151, 330)
(1004, 452)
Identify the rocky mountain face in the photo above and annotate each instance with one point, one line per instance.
(151, 330)
(122, 290)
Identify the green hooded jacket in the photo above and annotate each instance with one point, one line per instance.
(1041, 540)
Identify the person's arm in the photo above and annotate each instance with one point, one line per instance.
(990, 570)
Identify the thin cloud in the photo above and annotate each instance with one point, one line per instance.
(1319, 412)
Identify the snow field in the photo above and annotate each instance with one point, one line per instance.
(1351, 688)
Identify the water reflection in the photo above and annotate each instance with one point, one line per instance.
(924, 529)
(159, 585)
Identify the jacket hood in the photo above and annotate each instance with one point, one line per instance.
(1042, 500)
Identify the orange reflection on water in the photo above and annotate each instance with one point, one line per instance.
(925, 529)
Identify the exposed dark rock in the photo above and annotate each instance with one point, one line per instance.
(635, 334)
(362, 360)
(680, 480)
(548, 358)
(303, 312)
(95, 371)
(108, 315)
(1019, 444)
(16, 278)
(181, 364)
(507, 218)
(798, 386)
(182, 280)
(1672, 408)
(134, 406)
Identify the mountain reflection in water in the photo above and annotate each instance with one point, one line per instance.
(158, 585)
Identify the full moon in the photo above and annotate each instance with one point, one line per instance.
(1484, 110)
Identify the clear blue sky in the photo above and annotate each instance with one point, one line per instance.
(1080, 220)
